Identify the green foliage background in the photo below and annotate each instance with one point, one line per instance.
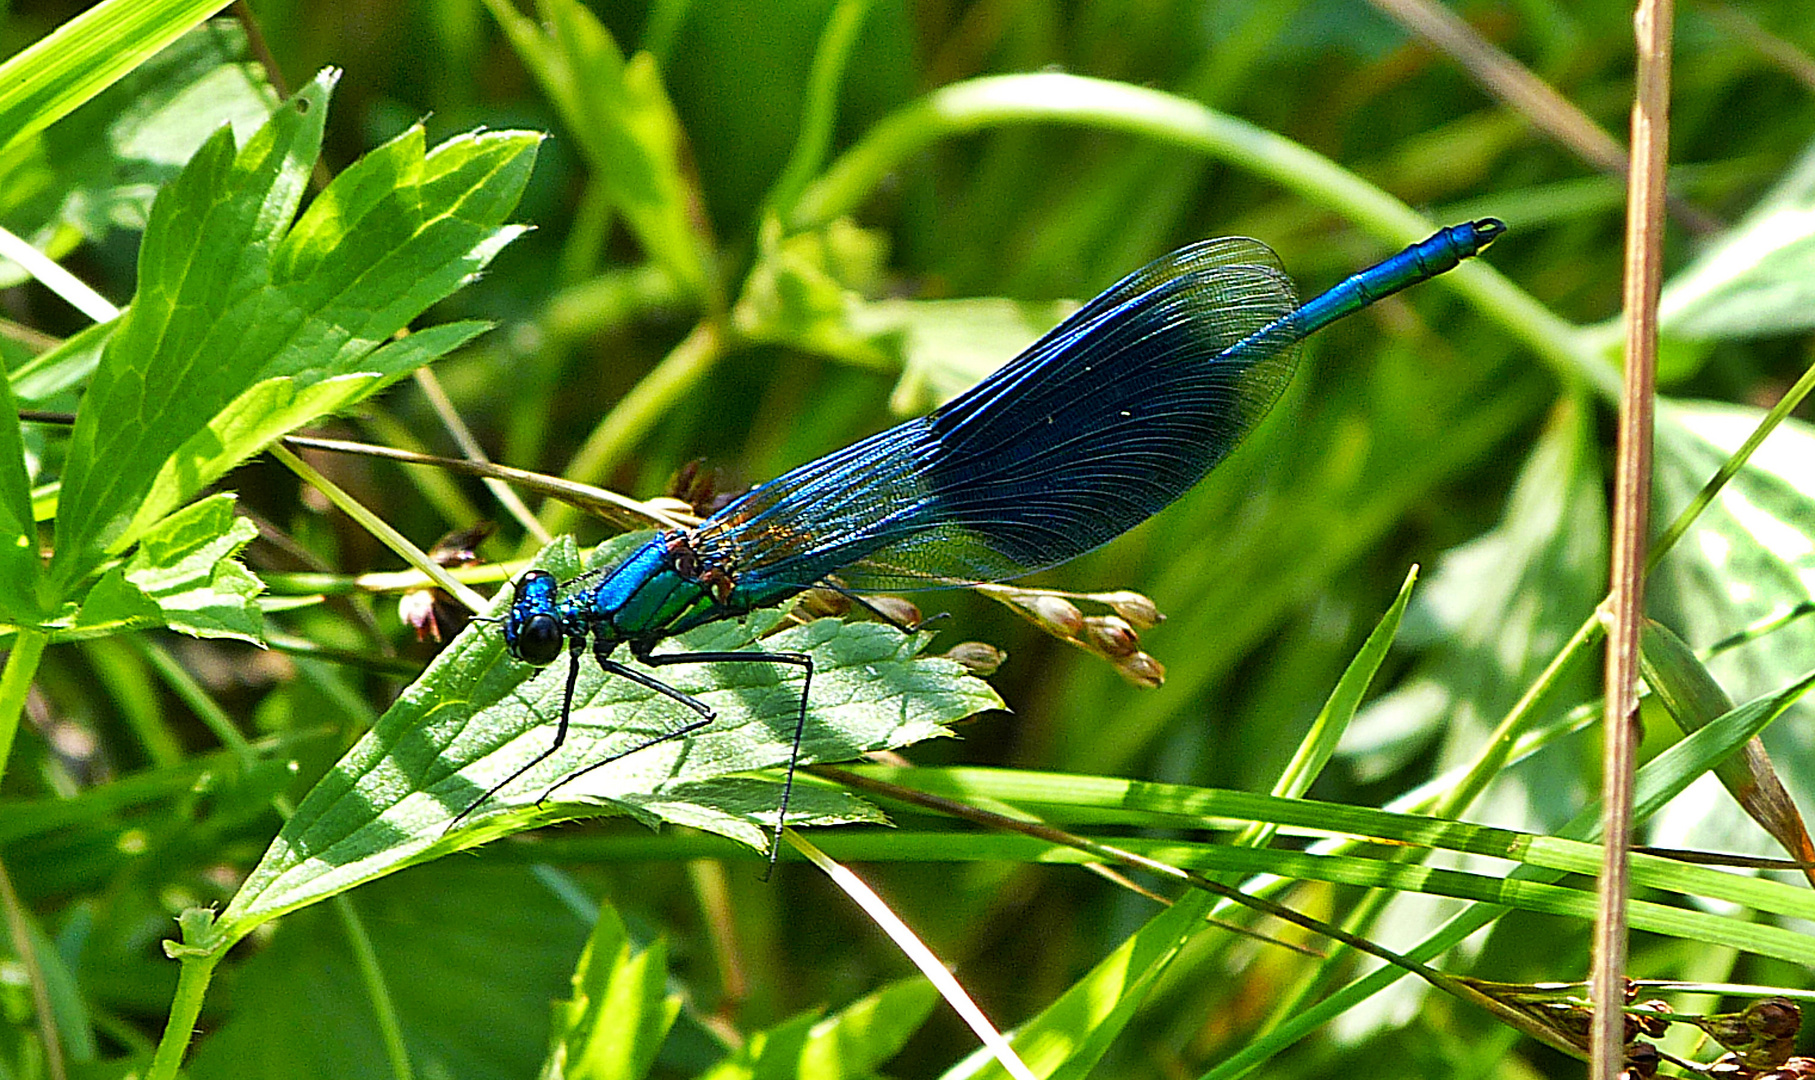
(710, 274)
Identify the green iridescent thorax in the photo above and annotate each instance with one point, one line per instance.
(646, 597)
(666, 588)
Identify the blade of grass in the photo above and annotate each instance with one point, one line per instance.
(915, 949)
(86, 55)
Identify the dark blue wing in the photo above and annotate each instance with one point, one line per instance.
(1096, 427)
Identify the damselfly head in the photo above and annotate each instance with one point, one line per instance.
(532, 630)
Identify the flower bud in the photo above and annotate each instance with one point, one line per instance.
(1111, 636)
(1141, 612)
(1142, 670)
(822, 603)
(897, 610)
(1053, 614)
(979, 658)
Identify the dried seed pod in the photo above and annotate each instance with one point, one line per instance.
(1140, 611)
(822, 604)
(895, 609)
(979, 658)
(1111, 636)
(1142, 670)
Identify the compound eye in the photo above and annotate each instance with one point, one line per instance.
(538, 640)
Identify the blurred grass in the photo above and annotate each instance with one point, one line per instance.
(1400, 440)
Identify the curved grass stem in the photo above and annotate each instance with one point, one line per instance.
(1056, 97)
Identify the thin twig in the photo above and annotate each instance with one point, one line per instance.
(1632, 517)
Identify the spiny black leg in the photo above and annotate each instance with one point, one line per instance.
(799, 660)
(612, 667)
(573, 677)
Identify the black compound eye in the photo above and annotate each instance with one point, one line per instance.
(538, 640)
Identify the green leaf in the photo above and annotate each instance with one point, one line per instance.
(619, 114)
(21, 569)
(1070, 1036)
(772, 1054)
(84, 56)
(806, 292)
(268, 409)
(861, 1037)
(476, 716)
(1693, 698)
(98, 169)
(620, 1011)
(1658, 782)
(183, 576)
(1747, 559)
(855, 1041)
(1758, 277)
(1756, 533)
(1320, 743)
(242, 327)
(50, 373)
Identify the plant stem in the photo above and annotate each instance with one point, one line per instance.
(379, 528)
(191, 987)
(1631, 525)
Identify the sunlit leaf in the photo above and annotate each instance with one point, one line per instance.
(476, 716)
(620, 1011)
(243, 325)
(184, 576)
(1749, 557)
(1758, 278)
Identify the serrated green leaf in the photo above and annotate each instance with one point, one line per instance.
(620, 1012)
(98, 169)
(229, 302)
(21, 569)
(735, 808)
(619, 114)
(272, 407)
(861, 1037)
(182, 576)
(772, 1054)
(476, 716)
(856, 1041)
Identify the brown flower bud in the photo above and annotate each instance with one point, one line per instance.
(1111, 636)
(1140, 611)
(1142, 670)
(979, 658)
